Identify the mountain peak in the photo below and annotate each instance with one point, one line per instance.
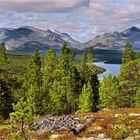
(27, 38)
(134, 28)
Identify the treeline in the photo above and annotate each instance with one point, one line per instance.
(123, 90)
(60, 86)
(63, 86)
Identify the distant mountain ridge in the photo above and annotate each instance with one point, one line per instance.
(115, 40)
(27, 38)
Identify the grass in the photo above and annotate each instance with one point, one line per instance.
(19, 62)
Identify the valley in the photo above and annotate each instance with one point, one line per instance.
(69, 69)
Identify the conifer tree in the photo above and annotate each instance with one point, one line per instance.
(23, 115)
(86, 99)
(50, 62)
(88, 74)
(33, 80)
(129, 82)
(138, 55)
(109, 91)
(77, 81)
(6, 99)
(137, 98)
(64, 75)
(3, 57)
(128, 53)
(34, 74)
(85, 72)
(94, 82)
(90, 55)
(56, 102)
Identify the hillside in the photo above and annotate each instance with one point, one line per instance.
(27, 38)
(115, 40)
(103, 126)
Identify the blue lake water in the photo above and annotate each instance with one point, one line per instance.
(113, 69)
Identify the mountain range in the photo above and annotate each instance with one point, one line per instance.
(115, 40)
(27, 38)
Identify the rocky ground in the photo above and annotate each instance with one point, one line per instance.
(119, 124)
(104, 125)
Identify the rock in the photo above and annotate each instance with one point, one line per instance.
(56, 124)
(89, 120)
(79, 128)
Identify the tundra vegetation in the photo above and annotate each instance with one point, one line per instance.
(60, 86)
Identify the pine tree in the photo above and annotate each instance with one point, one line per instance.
(128, 53)
(23, 115)
(85, 72)
(95, 87)
(6, 99)
(34, 74)
(109, 91)
(3, 57)
(138, 55)
(56, 102)
(64, 75)
(33, 80)
(90, 55)
(86, 99)
(88, 74)
(50, 62)
(77, 81)
(129, 82)
(137, 98)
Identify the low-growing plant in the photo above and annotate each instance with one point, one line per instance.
(122, 127)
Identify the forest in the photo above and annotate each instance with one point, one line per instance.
(35, 86)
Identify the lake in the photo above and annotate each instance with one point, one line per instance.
(113, 69)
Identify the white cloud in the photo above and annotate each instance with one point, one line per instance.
(83, 19)
(41, 5)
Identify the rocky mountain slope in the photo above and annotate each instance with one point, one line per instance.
(27, 38)
(115, 40)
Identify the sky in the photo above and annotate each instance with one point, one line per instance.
(82, 19)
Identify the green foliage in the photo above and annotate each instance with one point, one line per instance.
(129, 82)
(138, 55)
(33, 81)
(86, 101)
(84, 70)
(64, 75)
(56, 102)
(94, 82)
(77, 82)
(3, 57)
(22, 115)
(109, 91)
(122, 127)
(50, 62)
(18, 63)
(6, 99)
(88, 73)
(137, 98)
(90, 55)
(34, 74)
(128, 53)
